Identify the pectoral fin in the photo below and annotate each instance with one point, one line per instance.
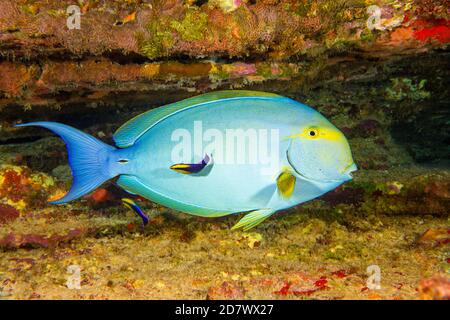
(135, 207)
(253, 218)
(189, 168)
(286, 184)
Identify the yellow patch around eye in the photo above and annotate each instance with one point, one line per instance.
(312, 133)
(331, 134)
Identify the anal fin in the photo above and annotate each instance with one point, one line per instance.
(253, 218)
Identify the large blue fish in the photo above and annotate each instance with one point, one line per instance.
(216, 154)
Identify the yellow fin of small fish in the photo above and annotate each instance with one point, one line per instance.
(181, 168)
(253, 218)
(286, 184)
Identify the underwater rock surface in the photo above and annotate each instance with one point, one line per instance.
(387, 89)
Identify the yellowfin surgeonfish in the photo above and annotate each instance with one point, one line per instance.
(253, 152)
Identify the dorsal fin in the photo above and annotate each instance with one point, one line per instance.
(129, 132)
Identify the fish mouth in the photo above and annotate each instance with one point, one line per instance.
(350, 168)
(347, 172)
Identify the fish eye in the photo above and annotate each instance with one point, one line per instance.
(313, 133)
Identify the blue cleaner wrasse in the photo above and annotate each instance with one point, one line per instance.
(215, 154)
(131, 204)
